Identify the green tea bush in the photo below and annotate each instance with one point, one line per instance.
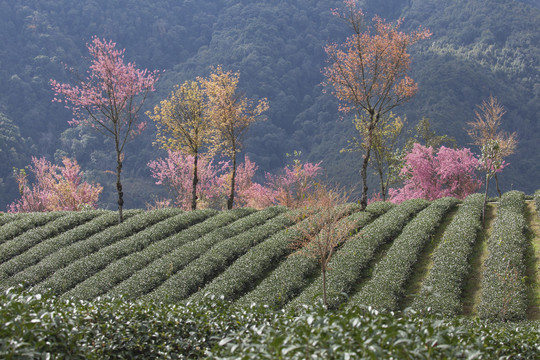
(503, 288)
(351, 259)
(9, 217)
(25, 241)
(41, 327)
(153, 275)
(443, 287)
(25, 222)
(217, 259)
(386, 287)
(292, 274)
(48, 246)
(23, 268)
(251, 267)
(120, 260)
(537, 201)
(58, 269)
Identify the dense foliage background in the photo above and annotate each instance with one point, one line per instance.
(478, 48)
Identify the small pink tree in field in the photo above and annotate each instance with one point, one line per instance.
(56, 188)
(109, 99)
(432, 174)
(175, 172)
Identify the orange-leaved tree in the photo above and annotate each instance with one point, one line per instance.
(183, 125)
(231, 115)
(368, 73)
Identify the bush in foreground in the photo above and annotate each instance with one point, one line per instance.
(36, 326)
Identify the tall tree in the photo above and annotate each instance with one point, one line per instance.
(368, 73)
(495, 145)
(183, 126)
(231, 115)
(109, 99)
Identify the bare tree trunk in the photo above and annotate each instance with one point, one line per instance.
(195, 182)
(363, 172)
(485, 202)
(230, 201)
(119, 184)
(325, 302)
(497, 185)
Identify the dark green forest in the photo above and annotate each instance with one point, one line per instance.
(478, 48)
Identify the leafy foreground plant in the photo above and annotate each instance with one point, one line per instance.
(36, 326)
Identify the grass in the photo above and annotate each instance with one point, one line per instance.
(533, 261)
(425, 262)
(471, 293)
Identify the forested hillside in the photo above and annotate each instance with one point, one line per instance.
(478, 48)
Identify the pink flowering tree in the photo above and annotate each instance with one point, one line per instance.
(109, 99)
(432, 174)
(55, 188)
(175, 173)
(295, 184)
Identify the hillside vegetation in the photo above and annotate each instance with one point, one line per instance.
(478, 48)
(245, 256)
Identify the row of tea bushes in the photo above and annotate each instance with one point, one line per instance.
(63, 269)
(27, 267)
(252, 267)
(503, 288)
(385, 289)
(537, 201)
(24, 222)
(30, 238)
(42, 327)
(349, 262)
(152, 276)
(214, 261)
(117, 262)
(443, 287)
(285, 282)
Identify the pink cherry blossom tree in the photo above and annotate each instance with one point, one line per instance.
(432, 174)
(109, 99)
(55, 188)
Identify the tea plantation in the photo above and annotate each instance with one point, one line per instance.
(416, 280)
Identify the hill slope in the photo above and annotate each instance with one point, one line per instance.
(398, 252)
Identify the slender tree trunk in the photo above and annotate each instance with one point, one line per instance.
(363, 172)
(119, 184)
(230, 201)
(195, 182)
(383, 187)
(497, 185)
(325, 302)
(485, 202)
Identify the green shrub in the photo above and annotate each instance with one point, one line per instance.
(386, 287)
(285, 282)
(443, 287)
(351, 259)
(107, 267)
(537, 201)
(202, 270)
(25, 241)
(57, 269)
(25, 222)
(152, 276)
(26, 268)
(503, 284)
(40, 327)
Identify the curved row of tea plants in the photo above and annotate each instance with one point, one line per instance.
(385, 289)
(216, 260)
(443, 286)
(292, 274)
(504, 294)
(48, 246)
(119, 261)
(353, 257)
(40, 327)
(537, 201)
(18, 224)
(252, 267)
(152, 276)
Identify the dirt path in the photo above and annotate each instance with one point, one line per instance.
(471, 293)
